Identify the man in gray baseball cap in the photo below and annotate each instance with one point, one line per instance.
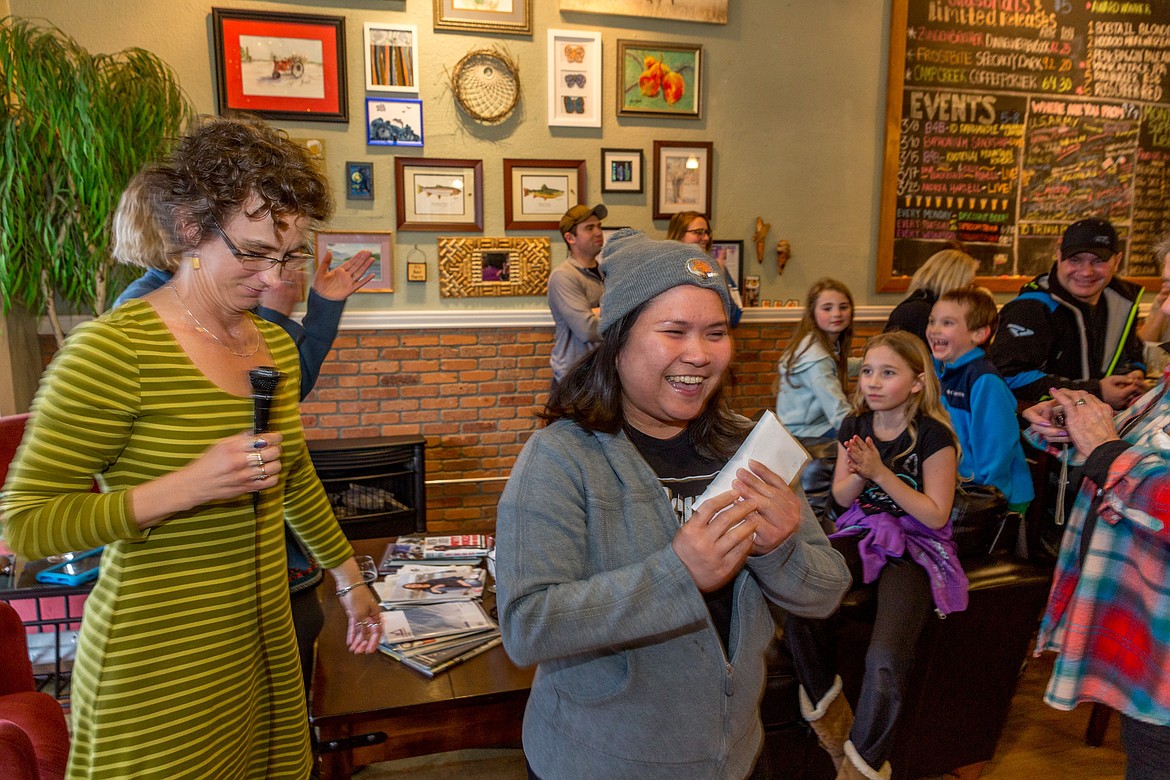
(575, 287)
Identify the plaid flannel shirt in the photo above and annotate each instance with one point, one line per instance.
(1108, 612)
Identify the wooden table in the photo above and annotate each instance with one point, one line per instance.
(370, 708)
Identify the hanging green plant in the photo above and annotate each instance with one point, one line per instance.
(74, 127)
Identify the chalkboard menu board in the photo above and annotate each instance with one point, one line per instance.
(1008, 120)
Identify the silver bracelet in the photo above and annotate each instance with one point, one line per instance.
(348, 588)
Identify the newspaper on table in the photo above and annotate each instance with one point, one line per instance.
(769, 443)
(423, 584)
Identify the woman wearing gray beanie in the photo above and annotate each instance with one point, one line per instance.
(647, 615)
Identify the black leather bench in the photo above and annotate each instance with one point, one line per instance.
(965, 675)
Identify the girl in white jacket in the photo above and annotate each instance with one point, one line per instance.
(813, 371)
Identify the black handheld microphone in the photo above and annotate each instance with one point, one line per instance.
(265, 380)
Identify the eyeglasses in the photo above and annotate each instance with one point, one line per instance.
(699, 231)
(293, 261)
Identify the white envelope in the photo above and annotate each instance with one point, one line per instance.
(771, 444)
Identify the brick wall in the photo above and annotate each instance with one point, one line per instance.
(473, 396)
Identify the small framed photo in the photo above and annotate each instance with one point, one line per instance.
(621, 170)
(359, 181)
(343, 246)
(280, 66)
(729, 254)
(574, 78)
(391, 57)
(416, 272)
(682, 177)
(394, 122)
(538, 192)
(659, 79)
(439, 194)
(501, 16)
(749, 291)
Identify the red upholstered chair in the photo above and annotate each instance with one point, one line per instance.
(11, 432)
(34, 741)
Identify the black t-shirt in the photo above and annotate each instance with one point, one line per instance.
(932, 437)
(685, 474)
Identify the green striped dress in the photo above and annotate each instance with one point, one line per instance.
(186, 663)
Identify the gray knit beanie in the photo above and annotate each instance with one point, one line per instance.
(638, 268)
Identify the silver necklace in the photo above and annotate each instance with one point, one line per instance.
(200, 327)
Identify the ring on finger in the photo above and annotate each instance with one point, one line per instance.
(1080, 402)
(263, 475)
(259, 460)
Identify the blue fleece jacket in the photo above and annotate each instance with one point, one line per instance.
(983, 411)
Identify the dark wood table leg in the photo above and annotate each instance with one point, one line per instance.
(1098, 722)
(334, 764)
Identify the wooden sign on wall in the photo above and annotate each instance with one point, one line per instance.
(1007, 121)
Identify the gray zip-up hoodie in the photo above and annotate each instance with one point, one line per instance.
(632, 679)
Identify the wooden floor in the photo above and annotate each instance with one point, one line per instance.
(1038, 742)
(1041, 742)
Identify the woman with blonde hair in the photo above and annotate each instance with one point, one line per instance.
(943, 271)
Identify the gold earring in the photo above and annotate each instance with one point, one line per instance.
(195, 262)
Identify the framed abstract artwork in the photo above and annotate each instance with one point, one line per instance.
(280, 66)
(439, 194)
(621, 170)
(391, 57)
(538, 192)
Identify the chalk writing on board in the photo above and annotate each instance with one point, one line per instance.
(1017, 118)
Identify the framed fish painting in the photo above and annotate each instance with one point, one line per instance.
(538, 192)
(439, 194)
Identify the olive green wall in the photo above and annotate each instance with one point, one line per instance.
(794, 95)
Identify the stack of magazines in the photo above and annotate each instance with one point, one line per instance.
(432, 616)
(430, 638)
(465, 548)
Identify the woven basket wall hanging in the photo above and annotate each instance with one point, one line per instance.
(486, 83)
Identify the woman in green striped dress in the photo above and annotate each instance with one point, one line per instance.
(187, 664)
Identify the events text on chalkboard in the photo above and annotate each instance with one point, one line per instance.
(1007, 120)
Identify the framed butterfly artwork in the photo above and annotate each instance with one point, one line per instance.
(574, 78)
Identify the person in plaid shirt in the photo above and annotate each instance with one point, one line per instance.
(1108, 612)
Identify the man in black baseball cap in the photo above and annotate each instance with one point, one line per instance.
(575, 287)
(1073, 327)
